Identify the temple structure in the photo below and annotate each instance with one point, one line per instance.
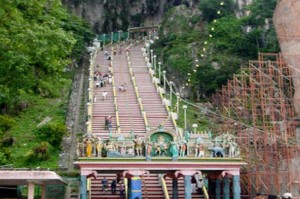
(132, 135)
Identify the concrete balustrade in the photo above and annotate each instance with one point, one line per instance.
(136, 92)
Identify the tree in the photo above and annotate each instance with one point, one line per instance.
(36, 43)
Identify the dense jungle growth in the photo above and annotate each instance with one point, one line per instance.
(209, 44)
(40, 41)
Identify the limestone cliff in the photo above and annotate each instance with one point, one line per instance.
(114, 15)
(286, 20)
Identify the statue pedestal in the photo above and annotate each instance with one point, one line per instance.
(174, 158)
(148, 158)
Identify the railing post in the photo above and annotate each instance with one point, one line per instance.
(184, 108)
(154, 62)
(111, 37)
(159, 72)
(104, 39)
(164, 76)
(128, 36)
(151, 56)
(119, 35)
(177, 103)
(171, 90)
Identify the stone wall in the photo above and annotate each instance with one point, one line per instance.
(286, 21)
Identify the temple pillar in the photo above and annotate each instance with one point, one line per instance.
(236, 187)
(218, 188)
(175, 188)
(187, 181)
(30, 194)
(84, 175)
(136, 187)
(83, 190)
(43, 194)
(134, 183)
(235, 174)
(187, 187)
(226, 189)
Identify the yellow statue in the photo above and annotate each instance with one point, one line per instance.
(88, 143)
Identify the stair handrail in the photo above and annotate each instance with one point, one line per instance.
(90, 91)
(118, 128)
(152, 74)
(137, 91)
(164, 187)
(205, 193)
(125, 181)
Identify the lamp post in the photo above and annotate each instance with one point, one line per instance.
(195, 128)
(177, 103)
(159, 72)
(151, 56)
(184, 108)
(171, 90)
(104, 39)
(148, 48)
(128, 36)
(154, 57)
(164, 76)
(111, 37)
(119, 35)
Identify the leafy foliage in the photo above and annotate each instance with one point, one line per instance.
(228, 43)
(37, 40)
(213, 9)
(53, 133)
(38, 153)
(6, 123)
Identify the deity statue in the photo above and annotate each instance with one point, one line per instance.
(182, 148)
(199, 148)
(160, 145)
(99, 146)
(187, 135)
(89, 147)
(149, 148)
(110, 146)
(138, 145)
(174, 149)
(233, 148)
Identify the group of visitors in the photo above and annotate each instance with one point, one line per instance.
(102, 79)
(113, 186)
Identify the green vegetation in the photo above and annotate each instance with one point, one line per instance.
(39, 40)
(219, 41)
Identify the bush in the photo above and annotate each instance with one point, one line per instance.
(6, 123)
(53, 133)
(41, 152)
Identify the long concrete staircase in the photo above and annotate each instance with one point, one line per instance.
(137, 109)
(156, 112)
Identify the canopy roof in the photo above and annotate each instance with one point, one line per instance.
(22, 177)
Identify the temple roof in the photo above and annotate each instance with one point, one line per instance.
(22, 177)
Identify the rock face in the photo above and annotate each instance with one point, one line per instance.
(286, 21)
(114, 15)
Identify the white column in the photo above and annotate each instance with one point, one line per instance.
(164, 72)
(171, 90)
(184, 108)
(30, 194)
(159, 72)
